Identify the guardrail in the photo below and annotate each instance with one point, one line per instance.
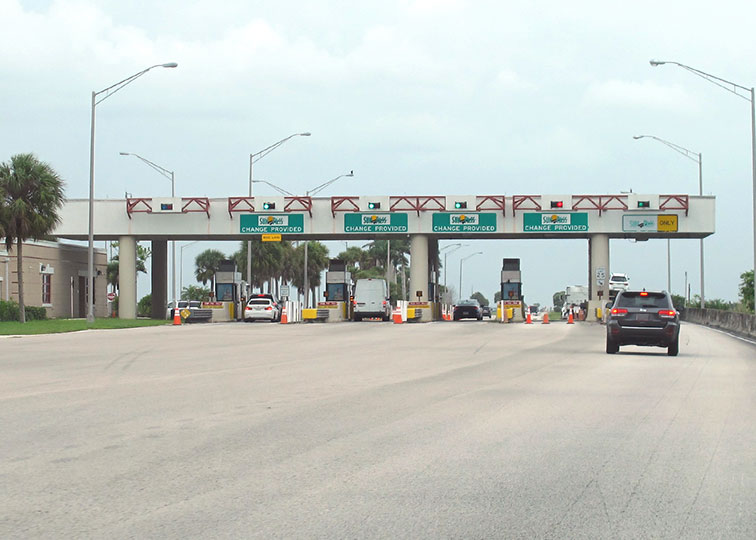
(743, 324)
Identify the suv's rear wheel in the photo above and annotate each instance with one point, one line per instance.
(611, 346)
(674, 347)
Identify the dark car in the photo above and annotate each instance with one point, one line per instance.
(486, 311)
(643, 318)
(468, 309)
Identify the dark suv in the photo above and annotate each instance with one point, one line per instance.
(643, 318)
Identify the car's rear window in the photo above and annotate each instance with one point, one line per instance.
(260, 302)
(619, 278)
(648, 300)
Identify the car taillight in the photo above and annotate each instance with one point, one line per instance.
(619, 311)
(248, 308)
(384, 302)
(268, 308)
(667, 313)
(644, 293)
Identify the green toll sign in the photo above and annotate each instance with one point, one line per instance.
(271, 223)
(464, 222)
(555, 222)
(375, 223)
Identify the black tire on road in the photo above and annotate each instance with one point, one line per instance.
(611, 346)
(674, 347)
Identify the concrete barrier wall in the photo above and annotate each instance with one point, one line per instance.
(731, 321)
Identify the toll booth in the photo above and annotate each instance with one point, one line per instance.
(229, 301)
(511, 289)
(338, 293)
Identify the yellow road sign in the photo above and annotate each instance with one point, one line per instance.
(271, 237)
(667, 223)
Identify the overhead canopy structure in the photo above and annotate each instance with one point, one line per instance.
(426, 219)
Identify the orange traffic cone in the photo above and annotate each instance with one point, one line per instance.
(284, 315)
(570, 319)
(528, 320)
(545, 318)
(176, 317)
(397, 315)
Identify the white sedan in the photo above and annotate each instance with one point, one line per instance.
(262, 309)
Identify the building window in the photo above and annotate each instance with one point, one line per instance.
(47, 288)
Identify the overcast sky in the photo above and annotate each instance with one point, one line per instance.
(425, 97)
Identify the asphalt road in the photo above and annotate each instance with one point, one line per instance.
(376, 430)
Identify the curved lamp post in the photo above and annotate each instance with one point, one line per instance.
(693, 156)
(181, 272)
(463, 259)
(254, 158)
(170, 176)
(456, 247)
(97, 98)
(313, 191)
(738, 90)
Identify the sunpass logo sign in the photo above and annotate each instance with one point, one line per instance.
(474, 222)
(572, 222)
(376, 220)
(271, 223)
(375, 223)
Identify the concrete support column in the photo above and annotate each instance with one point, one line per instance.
(433, 266)
(159, 274)
(127, 301)
(418, 268)
(433, 277)
(598, 273)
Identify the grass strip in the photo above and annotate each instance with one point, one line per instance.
(57, 326)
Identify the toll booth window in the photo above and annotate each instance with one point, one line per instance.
(225, 292)
(336, 292)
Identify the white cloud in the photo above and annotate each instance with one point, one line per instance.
(511, 80)
(432, 6)
(645, 94)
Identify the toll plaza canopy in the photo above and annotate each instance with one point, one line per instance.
(628, 215)
(425, 219)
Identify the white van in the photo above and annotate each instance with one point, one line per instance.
(371, 299)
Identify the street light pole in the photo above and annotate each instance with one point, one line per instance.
(170, 175)
(736, 89)
(698, 158)
(460, 270)
(456, 247)
(313, 191)
(109, 91)
(181, 272)
(253, 158)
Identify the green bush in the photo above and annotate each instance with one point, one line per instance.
(144, 307)
(34, 313)
(9, 311)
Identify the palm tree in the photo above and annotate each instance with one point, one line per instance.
(143, 253)
(207, 264)
(271, 262)
(32, 194)
(317, 261)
